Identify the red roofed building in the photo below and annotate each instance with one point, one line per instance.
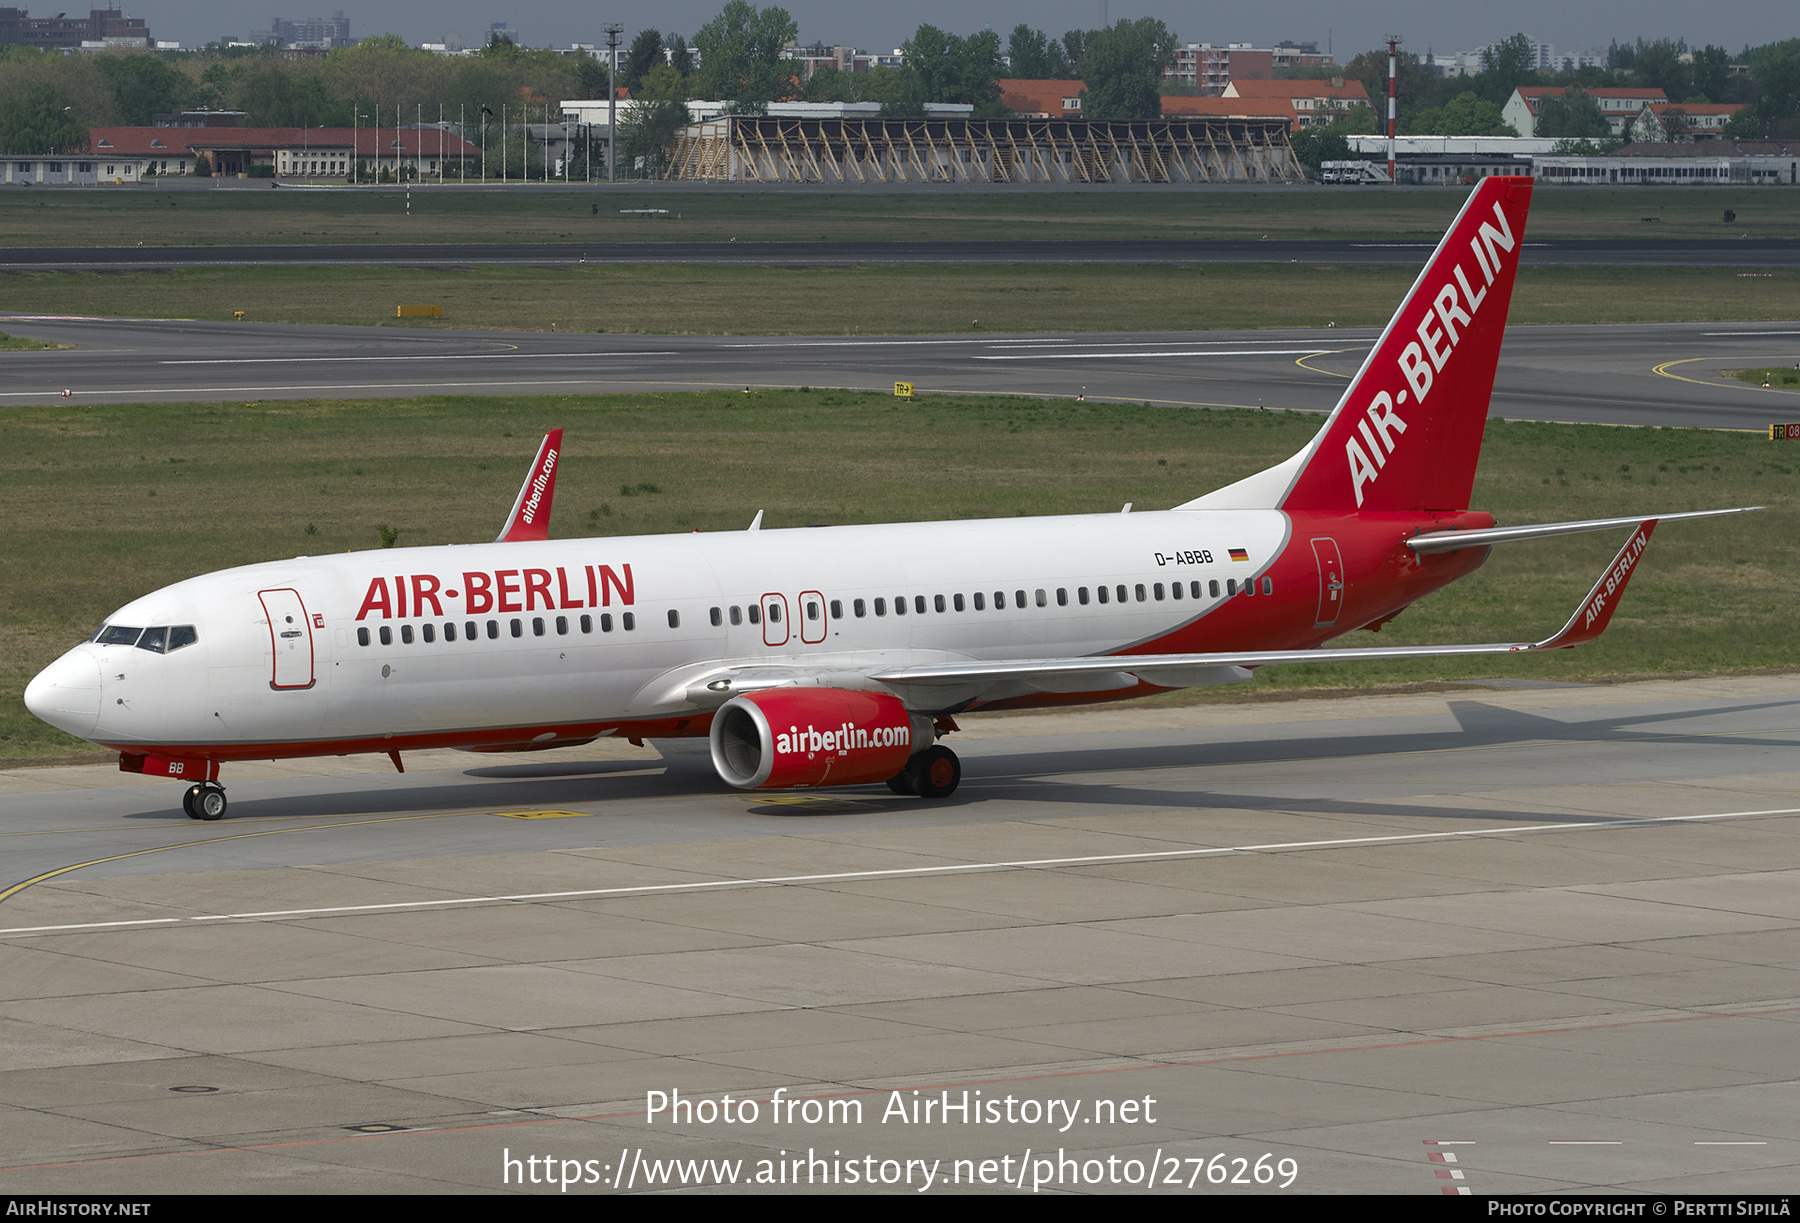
(1314, 103)
(1682, 121)
(1620, 106)
(1036, 99)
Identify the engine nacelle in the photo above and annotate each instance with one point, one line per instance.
(786, 737)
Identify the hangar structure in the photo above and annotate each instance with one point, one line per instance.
(877, 151)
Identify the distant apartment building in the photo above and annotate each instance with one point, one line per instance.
(307, 34)
(844, 59)
(1301, 55)
(1544, 57)
(100, 28)
(1211, 68)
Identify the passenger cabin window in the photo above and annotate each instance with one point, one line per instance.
(737, 615)
(562, 626)
(716, 616)
(900, 606)
(1081, 595)
(429, 632)
(587, 624)
(937, 601)
(606, 622)
(755, 614)
(628, 621)
(1104, 595)
(980, 601)
(406, 634)
(450, 630)
(837, 609)
(387, 635)
(881, 607)
(919, 604)
(957, 602)
(518, 628)
(674, 618)
(860, 608)
(362, 636)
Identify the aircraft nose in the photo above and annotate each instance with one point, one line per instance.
(66, 693)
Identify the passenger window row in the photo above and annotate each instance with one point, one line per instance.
(472, 629)
(902, 605)
(1139, 592)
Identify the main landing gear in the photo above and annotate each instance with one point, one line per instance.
(205, 800)
(932, 773)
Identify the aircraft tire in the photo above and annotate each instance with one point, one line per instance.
(900, 784)
(187, 802)
(935, 772)
(210, 801)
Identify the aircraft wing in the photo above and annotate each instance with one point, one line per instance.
(1184, 670)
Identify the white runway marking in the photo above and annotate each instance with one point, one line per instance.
(1244, 352)
(266, 390)
(914, 871)
(473, 356)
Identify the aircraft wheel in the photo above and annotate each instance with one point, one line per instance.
(935, 772)
(188, 800)
(210, 801)
(900, 784)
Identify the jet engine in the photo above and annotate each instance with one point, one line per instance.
(785, 737)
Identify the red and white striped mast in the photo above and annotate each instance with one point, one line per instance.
(1393, 43)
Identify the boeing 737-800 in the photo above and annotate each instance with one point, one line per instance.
(840, 656)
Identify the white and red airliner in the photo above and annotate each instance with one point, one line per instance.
(840, 656)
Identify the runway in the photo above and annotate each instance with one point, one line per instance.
(1514, 938)
(1719, 252)
(1666, 374)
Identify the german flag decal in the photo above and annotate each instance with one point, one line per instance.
(1239, 554)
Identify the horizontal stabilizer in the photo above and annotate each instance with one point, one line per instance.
(1450, 541)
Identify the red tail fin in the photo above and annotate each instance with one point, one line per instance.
(1407, 434)
(530, 517)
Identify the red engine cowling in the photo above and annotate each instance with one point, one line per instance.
(810, 737)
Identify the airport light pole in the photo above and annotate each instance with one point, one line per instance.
(1393, 43)
(613, 30)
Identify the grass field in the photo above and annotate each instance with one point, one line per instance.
(257, 215)
(884, 300)
(18, 343)
(1771, 376)
(103, 504)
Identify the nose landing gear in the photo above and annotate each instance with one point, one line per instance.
(204, 800)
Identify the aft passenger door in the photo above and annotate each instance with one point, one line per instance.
(1331, 581)
(774, 619)
(812, 617)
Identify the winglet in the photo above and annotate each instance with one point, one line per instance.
(530, 516)
(1596, 611)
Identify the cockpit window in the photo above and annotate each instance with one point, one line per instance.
(165, 640)
(117, 634)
